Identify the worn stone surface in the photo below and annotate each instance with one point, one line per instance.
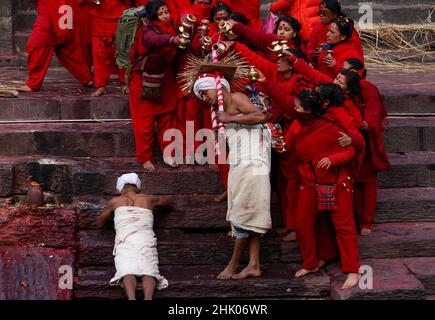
(200, 282)
(175, 248)
(424, 270)
(35, 273)
(391, 281)
(49, 227)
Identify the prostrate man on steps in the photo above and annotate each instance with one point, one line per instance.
(135, 243)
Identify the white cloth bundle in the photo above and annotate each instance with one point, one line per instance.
(128, 178)
(135, 248)
(208, 83)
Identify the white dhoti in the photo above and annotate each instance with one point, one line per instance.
(249, 188)
(135, 248)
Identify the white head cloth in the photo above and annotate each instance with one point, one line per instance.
(208, 83)
(128, 178)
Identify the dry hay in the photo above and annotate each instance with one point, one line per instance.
(410, 47)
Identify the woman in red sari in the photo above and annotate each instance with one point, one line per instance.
(376, 158)
(338, 47)
(286, 28)
(152, 84)
(329, 10)
(323, 162)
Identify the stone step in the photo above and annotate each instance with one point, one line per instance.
(84, 176)
(202, 212)
(393, 279)
(67, 177)
(95, 139)
(199, 282)
(391, 240)
(39, 106)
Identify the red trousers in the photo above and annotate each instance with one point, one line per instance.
(69, 55)
(365, 203)
(103, 55)
(288, 189)
(143, 122)
(311, 231)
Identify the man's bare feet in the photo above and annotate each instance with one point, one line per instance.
(221, 197)
(99, 92)
(248, 272)
(228, 272)
(351, 281)
(170, 161)
(89, 84)
(304, 272)
(149, 166)
(365, 232)
(291, 236)
(25, 88)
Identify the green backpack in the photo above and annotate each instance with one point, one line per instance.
(125, 34)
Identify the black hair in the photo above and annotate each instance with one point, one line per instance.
(192, 1)
(332, 93)
(353, 83)
(152, 7)
(298, 53)
(239, 17)
(357, 65)
(311, 101)
(220, 6)
(294, 23)
(333, 5)
(345, 26)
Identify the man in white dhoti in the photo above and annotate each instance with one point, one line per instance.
(135, 247)
(248, 181)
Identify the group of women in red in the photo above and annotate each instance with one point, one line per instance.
(331, 115)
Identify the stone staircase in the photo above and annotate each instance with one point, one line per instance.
(78, 163)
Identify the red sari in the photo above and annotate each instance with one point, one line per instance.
(152, 41)
(48, 38)
(312, 139)
(104, 23)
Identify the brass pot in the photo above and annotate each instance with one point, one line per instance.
(253, 73)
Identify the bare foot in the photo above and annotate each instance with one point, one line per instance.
(124, 90)
(170, 162)
(149, 166)
(25, 88)
(230, 233)
(89, 84)
(351, 281)
(248, 272)
(291, 236)
(304, 272)
(228, 272)
(221, 197)
(365, 231)
(99, 92)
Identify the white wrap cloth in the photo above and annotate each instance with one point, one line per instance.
(208, 83)
(135, 248)
(249, 188)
